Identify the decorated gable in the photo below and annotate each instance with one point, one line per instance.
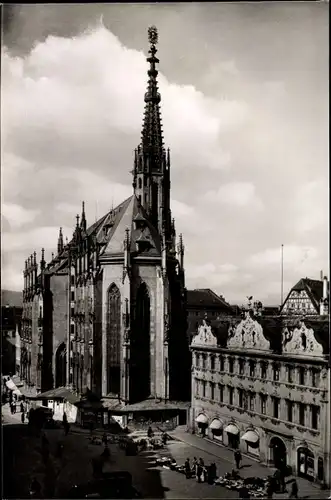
(204, 336)
(248, 334)
(301, 340)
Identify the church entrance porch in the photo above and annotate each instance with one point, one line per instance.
(161, 415)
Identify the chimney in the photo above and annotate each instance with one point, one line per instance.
(325, 288)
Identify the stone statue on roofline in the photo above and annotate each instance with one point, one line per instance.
(253, 309)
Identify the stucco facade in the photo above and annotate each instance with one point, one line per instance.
(269, 399)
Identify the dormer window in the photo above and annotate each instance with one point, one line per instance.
(140, 222)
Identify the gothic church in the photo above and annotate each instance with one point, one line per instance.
(108, 313)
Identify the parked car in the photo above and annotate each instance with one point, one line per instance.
(111, 485)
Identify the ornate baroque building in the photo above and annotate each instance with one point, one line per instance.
(108, 313)
(262, 384)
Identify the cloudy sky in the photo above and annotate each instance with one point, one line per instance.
(245, 111)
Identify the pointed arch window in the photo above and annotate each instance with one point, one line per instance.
(113, 340)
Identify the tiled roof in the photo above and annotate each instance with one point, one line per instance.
(60, 393)
(205, 297)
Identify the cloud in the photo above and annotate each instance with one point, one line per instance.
(17, 215)
(294, 255)
(236, 194)
(310, 206)
(246, 124)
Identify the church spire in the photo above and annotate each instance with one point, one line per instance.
(152, 140)
(151, 173)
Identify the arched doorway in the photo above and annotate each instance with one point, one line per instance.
(278, 452)
(306, 463)
(61, 366)
(140, 379)
(114, 341)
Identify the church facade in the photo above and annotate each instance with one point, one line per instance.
(108, 313)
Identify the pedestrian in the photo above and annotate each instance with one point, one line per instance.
(104, 439)
(270, 490)
(237, 457)
(282, 480)
(212, 473)
(64, 419)
(199, 472)
(66, 428)
(22, 407)
(35, 489)
(150, 432)
(187, 467)
(14, 407)
(23, 417)
(294, 490)
(91, 427)
(194, 465)
(244, 493)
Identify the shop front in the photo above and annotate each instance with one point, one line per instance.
(202, 423)
(306, 463)
(216, 430)
(252, 441)
(278, 453)
(232, 432)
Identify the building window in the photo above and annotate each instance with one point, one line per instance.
(302, 411)
(314, 377)
(315, 411)
(230, 365)
(289, 405)
(212, 391)
(203, 359)
(240, 398)
(264, 370)
(221, 363)
(197, 313)
(212, 362)
(252, 401)
(230, 395)
(72, 311)
(302, 376)
(276, 372)
(72, 295)
(252, 368)
(221, 388)
(72, 329)
(263, 401)
(241, 366)
(290, 374)
(72, 279)
(276, 403)
(203, 383)
(197, 386)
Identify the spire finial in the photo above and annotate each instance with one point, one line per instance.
(42, 262)
(60, 242)
(83, 219)
(153, 36)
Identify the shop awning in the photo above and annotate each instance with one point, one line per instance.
(10, 384)
(250, 437)
(216, 425)
(232, 429)
(201, 419)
